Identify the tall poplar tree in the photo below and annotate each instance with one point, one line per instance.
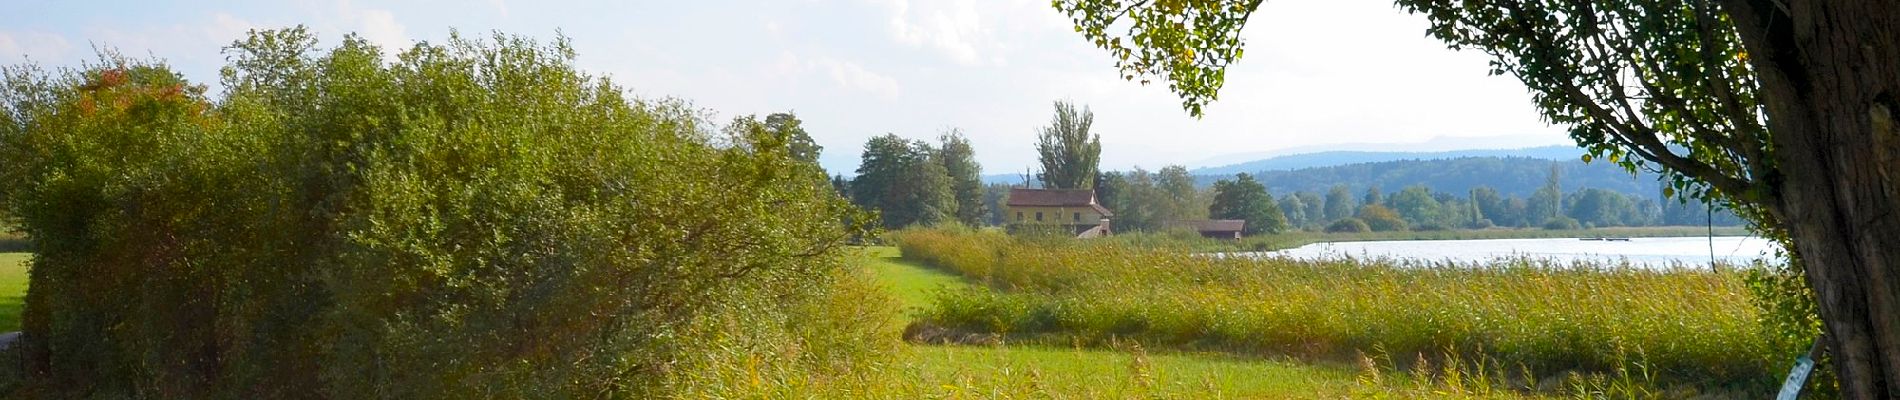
(1069, 154)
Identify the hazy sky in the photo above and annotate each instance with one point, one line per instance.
(1318, 73)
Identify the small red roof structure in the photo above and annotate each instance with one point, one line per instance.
(1079, 198)
(1216, 228)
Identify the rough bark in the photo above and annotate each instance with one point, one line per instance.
(1830, 75)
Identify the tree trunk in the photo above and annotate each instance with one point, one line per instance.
(1830, 74)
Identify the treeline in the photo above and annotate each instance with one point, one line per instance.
(1417, 207)
(1145, 201)
(914, 182)
(910, 182)
(1509, 175)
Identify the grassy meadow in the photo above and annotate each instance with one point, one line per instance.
(1533, 325)
(1297, 238)
(1073, 372)
(12, 289)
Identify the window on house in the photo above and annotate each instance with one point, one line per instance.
(1077, 217)
(1019, 215)
(1038, 216)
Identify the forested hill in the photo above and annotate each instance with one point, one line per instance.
(1336, 158)
(1518, 176)
(1340, 158)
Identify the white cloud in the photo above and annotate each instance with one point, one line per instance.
(227, 27)
(843, 73)
(501, 7)
(41, 46)
(954, 28)
(854, 76)
(379, 26)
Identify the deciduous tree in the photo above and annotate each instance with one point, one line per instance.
(966, 176)
(1246, 199)
(1069, 153)
(800, 143)
(1339, 203)
(903, 181)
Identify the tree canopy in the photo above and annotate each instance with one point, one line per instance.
(1069, 153)
(966, 176)
(904, 181)
(1246, 199)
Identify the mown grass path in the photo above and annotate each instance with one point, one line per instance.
(1085, 373)
(12, 289)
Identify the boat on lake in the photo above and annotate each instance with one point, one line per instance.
(1604, 239)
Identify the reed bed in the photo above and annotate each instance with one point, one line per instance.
(1691, 327)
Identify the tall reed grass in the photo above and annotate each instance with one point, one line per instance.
(1692, 327)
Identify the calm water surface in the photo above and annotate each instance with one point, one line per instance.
(1691, 252)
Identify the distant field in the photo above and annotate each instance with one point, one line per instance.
(12, 289)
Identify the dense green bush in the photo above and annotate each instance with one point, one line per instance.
(1562, 223)
(1380, 218)
(1348, 225)
(475, 219)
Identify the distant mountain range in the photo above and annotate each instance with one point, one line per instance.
(1518, 176)
(1343, 157)
(1337, 158)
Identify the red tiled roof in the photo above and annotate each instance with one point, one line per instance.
(1215, 225)
(1079, 198)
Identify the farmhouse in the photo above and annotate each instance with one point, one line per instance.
(1074, 210)
(1216, 228)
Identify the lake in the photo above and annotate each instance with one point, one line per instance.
(1690, 252)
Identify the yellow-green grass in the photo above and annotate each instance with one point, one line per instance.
(1006, 371)
(1093, 374)
(1694, 328)
(12, 289)
(1286, 240)
(914, 285)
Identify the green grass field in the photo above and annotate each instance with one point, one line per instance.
(12, 289)
(1697, 329)
(1094, 373)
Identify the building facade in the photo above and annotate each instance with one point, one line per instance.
(1073, 210)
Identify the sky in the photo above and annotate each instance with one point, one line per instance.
(1318, 74)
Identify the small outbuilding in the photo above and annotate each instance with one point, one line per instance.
(1226, 229)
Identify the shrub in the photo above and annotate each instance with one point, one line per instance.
(476, 219)
(1790, 317)
(1381, 219)
(1562, 223)
(1348, 225)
